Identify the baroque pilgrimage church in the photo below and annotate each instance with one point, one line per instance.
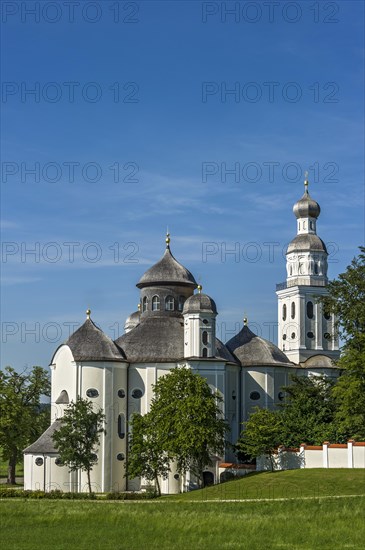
(175, 327)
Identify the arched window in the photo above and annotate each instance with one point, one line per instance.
(121, 426)
(155, 303)
(292, 310)
(284, 312)
(145, 303)
(169, 303)
(205, 352)
(310, 310)
(316, 268)
(205, 337)
(181, 303)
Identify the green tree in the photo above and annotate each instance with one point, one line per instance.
(79, 436)
(262, 434)
(22, 419)
(346, 299)
(308, 415)
(188, 422)
(146, 458)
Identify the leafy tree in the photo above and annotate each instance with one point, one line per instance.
(187, 421)
(262, 434)
(309, 412)
(346, 299)
(79, 435)
(146, 457)
(22, 419)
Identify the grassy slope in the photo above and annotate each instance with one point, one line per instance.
(288, 484)
(168, 524)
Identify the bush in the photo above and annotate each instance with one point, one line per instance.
(59, 495)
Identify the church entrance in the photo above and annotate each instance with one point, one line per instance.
(208, 479)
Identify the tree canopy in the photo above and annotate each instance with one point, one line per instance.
(22, 419)
(79, 436)
(187, 424)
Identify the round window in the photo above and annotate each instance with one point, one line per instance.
(255, 396)
(120, 456)
(92, 392)
(121, 393)
(293, 335)
(327, 336)
(137, 393)
(176, 476)
(281, 396)
(284, 336)
(205, 321)
(58, 461)
(94, 457)
(39, 461)
(310, 334)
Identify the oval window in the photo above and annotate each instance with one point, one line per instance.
(255, 396)
(121, 426)
(176, 476)
(137, 393)
(292, 310)
(327, 315)
(310, 310)
(205, 337)
(205, 321)
(39, 461)
(94, 457)
(120, 456)
(293, 335)
(92, 392)
(281, 396)
(284, 336)
(58, 461)
(310, 334)
(327, 336)
(284, 312)
(121, 393)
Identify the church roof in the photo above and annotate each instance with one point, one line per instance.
(251, 350)
(318, 362)
(44, 443)
(200, 303)
(223, 352)
(89, 343)
(308, 241)
(157, 338)
(167, 271)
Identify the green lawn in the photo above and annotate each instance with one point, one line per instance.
(184, 523)
(288, 484)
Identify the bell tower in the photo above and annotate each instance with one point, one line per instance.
(304, 329)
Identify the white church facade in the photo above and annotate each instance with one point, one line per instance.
(175, 327)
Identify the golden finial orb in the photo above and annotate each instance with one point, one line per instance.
(139, 307)
(306, 182)
(245, 321)
(167, 239)
(200, 288)
(88, 313)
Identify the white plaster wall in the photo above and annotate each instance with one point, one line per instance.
(337, 458)
(358, 456)
(313, 459)
(64, 376)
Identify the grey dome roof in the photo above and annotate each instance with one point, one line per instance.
(157, 338)
(318, 362)
(307, 241)
(89, 343)
(133, 319)
(306, 207)
(251, 350)
(167, 271)
(222, 352)
(200, 302)
(45, 443)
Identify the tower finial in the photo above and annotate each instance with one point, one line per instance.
(88, 313)
(167, 238)
(200, 288)
(245, 320)
(306, 182)
(139, 308)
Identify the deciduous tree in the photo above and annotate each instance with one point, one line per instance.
(79, 436)
(22, 419)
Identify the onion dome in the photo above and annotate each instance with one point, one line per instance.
(251, 350)
(89, 343)
(167, 271)
(306, 207)
(200, 303)
(307, 241)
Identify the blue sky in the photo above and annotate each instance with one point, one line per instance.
(132, 128)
